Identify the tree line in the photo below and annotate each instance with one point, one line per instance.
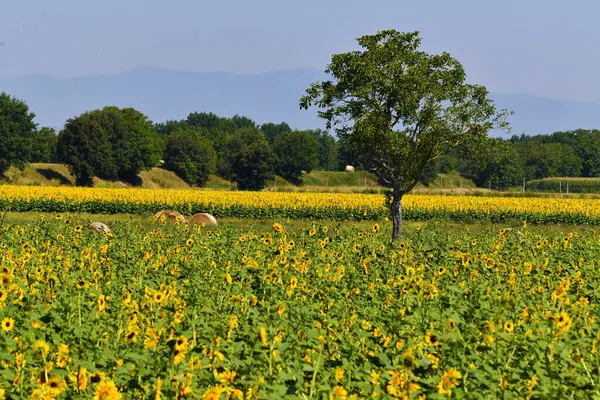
(118, 143)
(512, 162)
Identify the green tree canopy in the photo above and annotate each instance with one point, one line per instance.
(191, 156)
(296, 151)
(248, 159)
(44, 146)
(326, 149)
(272, 130)
(85, 147)
(110, 143)
(401, 108)
(17, 132)
(169, 126)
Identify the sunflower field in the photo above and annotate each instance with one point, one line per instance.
(172, 311)
(279, 205)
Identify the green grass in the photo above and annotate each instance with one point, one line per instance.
(339, 178)
(265, 225)
(217, 183)
(565, 185)
(59, 175)
(451, 180)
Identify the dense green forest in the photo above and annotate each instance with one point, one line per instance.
(114, 143)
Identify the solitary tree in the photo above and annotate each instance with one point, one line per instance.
(400, 108)
(17, 132)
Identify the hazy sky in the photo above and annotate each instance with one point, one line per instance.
(547, 48)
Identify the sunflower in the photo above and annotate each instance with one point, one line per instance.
(408, 360)
(451, 324)
(563, 322)
(152, 338)
(159, 297)
(78, 228)
(181, 343)
(277, 227)
(449, 380)
(97, 377)
(509, 326)
(81, 284)
(43, 346)
(262, 333)
(339, 393)
(312, 232)
(56, 386)
(376, 228)
(107, 390)
(178, 356)
(431, 339)
(8, 324)
(132, 334)
(101, 303)
(189, 242)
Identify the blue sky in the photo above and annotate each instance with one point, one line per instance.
(545, 48)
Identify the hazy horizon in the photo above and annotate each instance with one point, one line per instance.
(540, 48)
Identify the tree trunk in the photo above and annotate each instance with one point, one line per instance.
(396, 210)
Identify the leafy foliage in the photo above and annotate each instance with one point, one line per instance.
(401, 108)
(191, 156)
(272, 130)
(44, 146)
(248, 159)
(85, 147)
(296, 151)
(109, 143)
(309, 312)
(17, 132)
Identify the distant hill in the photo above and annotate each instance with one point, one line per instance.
(268, 97)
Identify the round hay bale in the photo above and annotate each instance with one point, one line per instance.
(203, 218)
(170, 215)
(349, 168)
(99, 227)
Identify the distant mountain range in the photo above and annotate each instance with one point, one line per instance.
(268, 97)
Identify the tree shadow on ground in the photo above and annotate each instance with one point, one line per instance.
(51, 174)
(135, 181)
